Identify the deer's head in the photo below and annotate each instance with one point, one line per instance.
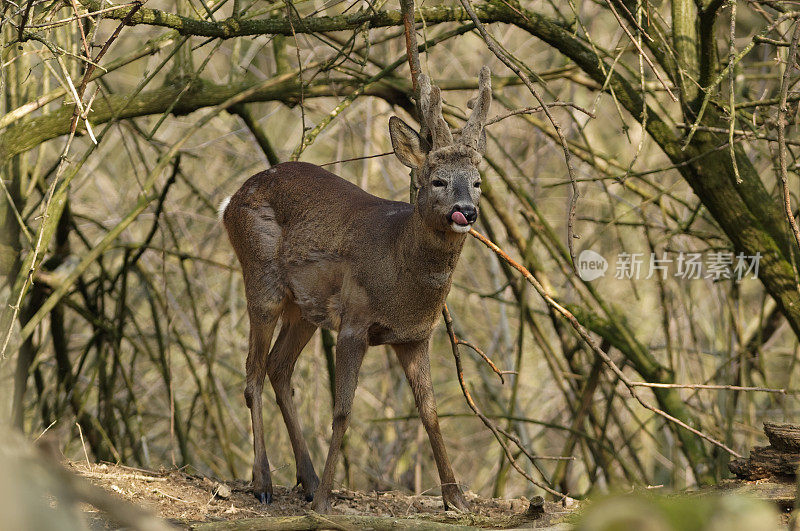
(446, 169)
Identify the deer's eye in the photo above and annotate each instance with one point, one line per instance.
(438, 183)
(477, 184)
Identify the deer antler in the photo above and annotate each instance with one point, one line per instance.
(431, 105)
(471, 133)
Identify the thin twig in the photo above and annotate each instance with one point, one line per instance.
(83, 443)
(358, 158)
(486, 358)
(289, 10)
(738, 132)
(531, 110)
(407, 9)
(732, 92)
(714, 387)
(56, 23)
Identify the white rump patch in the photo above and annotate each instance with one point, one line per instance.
(222, 206)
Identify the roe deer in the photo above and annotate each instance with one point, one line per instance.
(317, 250)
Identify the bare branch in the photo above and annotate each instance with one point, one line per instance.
(592, 344)
(781, 120)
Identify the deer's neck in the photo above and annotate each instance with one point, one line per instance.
(433, 254)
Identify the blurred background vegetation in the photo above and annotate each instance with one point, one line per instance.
(123, 325)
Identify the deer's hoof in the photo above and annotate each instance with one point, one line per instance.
(309, 486)
(263, 497)
(307, 495)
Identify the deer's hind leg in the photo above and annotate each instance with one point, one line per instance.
(262, 326)
(255, 235)
(294, 335)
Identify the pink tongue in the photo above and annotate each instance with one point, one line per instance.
(459, 218)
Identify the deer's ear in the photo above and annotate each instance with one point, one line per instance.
(408, 146)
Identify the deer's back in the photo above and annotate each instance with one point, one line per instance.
(311, 204)
(332, 245)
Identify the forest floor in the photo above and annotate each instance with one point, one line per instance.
(198, 502)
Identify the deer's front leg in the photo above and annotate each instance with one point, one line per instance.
(350, 349)
(416, 363)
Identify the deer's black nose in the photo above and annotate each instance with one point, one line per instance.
(469, 211)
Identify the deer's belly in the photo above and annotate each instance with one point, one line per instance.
(329, 296)
(380, 334)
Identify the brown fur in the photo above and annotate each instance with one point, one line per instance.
(316, 251)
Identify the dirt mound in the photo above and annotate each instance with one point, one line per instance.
(187, 500)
